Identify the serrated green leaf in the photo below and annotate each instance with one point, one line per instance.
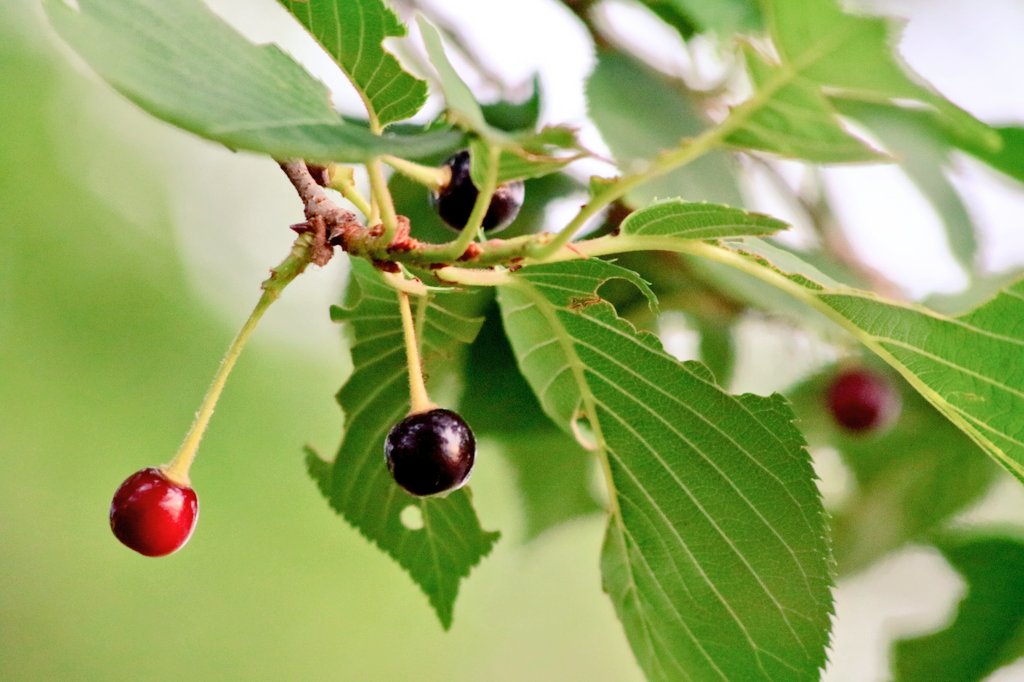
(910, 479)
(183, 64)
(352, 32)
(853, 56)
(553, 473)
(716, 558)
(680, 219)
(374, 399)
(968, 367)
(796, 121)
(639, 115)
(989, 628)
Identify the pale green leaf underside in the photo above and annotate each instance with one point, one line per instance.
(352, 32)
(797, 121)
(375, 397)
(462, 104)
(716, 558)
(183, 64)
(690, 220)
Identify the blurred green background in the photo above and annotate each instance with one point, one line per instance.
(130, 252)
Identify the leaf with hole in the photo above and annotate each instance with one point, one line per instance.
(716, 557)
(375, 398)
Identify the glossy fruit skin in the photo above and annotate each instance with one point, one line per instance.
(454, 202)
(861, 401)
(152, 514)
(429, 453)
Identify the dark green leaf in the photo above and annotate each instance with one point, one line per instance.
(640, 114)
(723, 17)
(512, 116)
(715, 558)
(989, 628)
(181, 62)
(352, 32)
(375, 397)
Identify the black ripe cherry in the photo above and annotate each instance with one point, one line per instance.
(430, 452)
(862, 401)
(454, 201)
(152, 514)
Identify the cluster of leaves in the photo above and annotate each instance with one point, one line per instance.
(718, 550)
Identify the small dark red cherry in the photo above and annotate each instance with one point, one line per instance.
(454, 202)
(862, 401)
(430, 452)
(152, 514)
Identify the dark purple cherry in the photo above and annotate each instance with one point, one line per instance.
(862, 401)
(454, 202)
(430, 452)
(152, 514)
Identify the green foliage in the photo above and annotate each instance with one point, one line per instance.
(795, 119)
(639, 115)
(988, 632)
(717, 552)
(678, 219)
(697, 16)
(183, 64)
(852, 56)
(553, 472)
(704, 485)
(374, 399)
(909, 480)
(352, 31)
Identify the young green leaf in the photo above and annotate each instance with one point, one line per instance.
(852, 56)
(639, 116)
(462, 105)
(988, 632)
(910, 479)
(375, 398)
(716, 557)
(182, 63)
(678, 219)
(352, 32)
(796, 121)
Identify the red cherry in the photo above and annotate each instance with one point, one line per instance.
(862, 401)
(152, 514)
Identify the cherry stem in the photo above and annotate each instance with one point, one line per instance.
(433, 177)
(290, 268)
(418, 398)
